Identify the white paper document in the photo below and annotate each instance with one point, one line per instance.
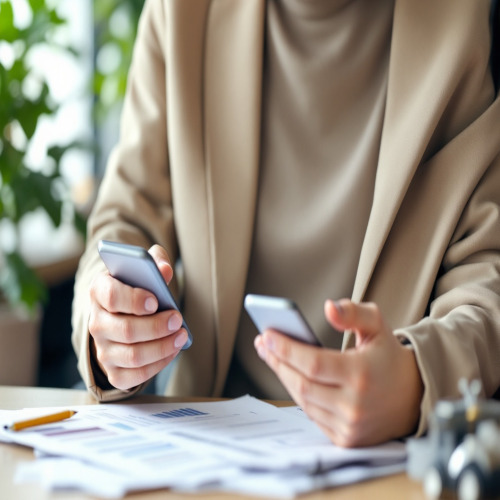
(242, 445)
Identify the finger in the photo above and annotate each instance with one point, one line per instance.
(142, 354)
(332, 408)
(331, 424)
(347, 423)
(287, 375)
(162, 260)
(333, 433)
(335, 429)
(130, 329)
(315, 363)
(125, 378)
(116, 297)
(364, 319)
(324, 405)
(310, 393)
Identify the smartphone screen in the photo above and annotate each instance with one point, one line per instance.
(279, 313)
(134, 266)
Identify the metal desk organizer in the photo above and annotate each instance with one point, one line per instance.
(461, 452)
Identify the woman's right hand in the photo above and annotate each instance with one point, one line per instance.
(132, 342)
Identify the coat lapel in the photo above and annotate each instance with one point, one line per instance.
(426, 68)
(232, 96)
(417, 84)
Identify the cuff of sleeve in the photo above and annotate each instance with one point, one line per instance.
(426, 405)
(100, 378)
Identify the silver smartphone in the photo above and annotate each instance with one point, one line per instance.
(280, 314)
(134, 266)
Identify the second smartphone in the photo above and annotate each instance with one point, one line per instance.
(279, 313)
(134, 266)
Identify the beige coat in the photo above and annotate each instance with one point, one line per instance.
(185, 172)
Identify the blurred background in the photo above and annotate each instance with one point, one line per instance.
(63, 73)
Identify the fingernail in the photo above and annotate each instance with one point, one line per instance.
(174, 322)
(261, 352)
(180, 340)
(163, 263)
(339, 308)
(259, 347)
(269, 342)
(150, 304)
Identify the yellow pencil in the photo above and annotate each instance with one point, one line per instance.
(45, 419)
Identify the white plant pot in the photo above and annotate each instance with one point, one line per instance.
(19, 347)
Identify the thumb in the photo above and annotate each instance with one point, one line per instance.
(162, 260)
(364, 319)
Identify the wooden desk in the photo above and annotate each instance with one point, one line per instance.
(12, 398)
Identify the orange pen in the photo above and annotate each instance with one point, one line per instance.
(45, 419)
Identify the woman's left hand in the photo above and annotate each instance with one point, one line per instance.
(359, 397)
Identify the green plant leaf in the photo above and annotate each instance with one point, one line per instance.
(57, 152)
(48, 200)
(20, 284)
(80, 223)
(33, 190)
(39, 28)
(29, 112)
(8, 31)
(11, 161)
(55, 19)
(37, 5)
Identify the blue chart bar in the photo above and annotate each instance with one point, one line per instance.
(181, 412)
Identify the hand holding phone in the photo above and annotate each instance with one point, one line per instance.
(134, 266)
(281, 314)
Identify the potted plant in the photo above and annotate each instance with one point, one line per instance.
(25, 99)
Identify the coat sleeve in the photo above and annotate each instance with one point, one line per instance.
(460, 335)
(134, 202)
(455, 276)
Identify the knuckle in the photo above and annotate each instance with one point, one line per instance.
(95, 286)
(132, 357)
(126, 332)
(303, 388)
(354, 419)
(361, 383)
(138, 298)
(158, 326)
(93, 289)
(109, 296)
(354, 422)
(102, 355)
(282, 349)
(314, 366)
(163, 350)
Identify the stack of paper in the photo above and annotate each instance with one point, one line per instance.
(242, 445)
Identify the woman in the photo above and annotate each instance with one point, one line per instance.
(315, 149)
